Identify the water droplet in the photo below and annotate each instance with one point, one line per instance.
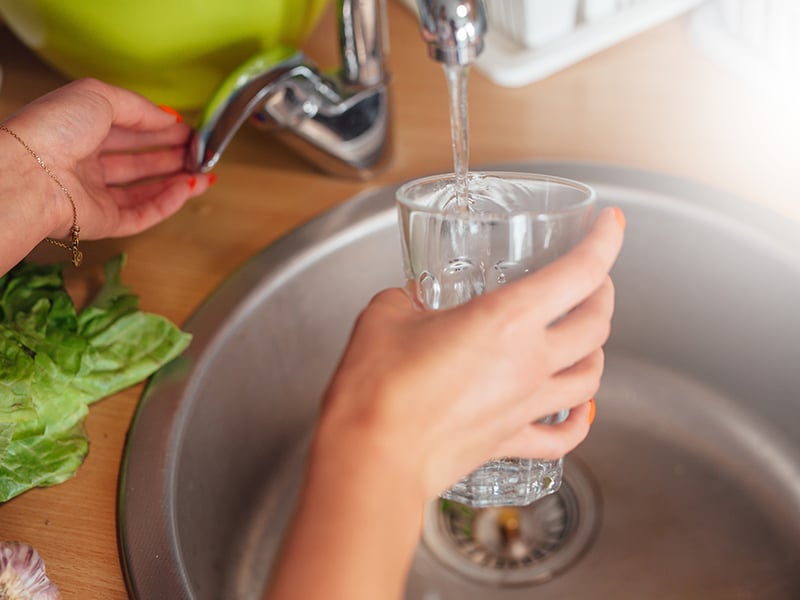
(508, 270)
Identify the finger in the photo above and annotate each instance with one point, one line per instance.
(393, 298)
(131, 167)
(583, 330)
(567, 389)
(562, 391)
(117, 106)
(121, 139)
(560, 286)
(143, 205)
(133, 111)
(389, 305)
(548, 442)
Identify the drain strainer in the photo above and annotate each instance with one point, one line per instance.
(521, 545)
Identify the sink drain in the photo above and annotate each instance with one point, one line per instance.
(513, 546)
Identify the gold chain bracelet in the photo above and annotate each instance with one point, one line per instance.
(72, 244)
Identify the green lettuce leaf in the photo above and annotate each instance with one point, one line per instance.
(55, 362)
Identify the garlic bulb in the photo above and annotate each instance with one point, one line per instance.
(22, 574)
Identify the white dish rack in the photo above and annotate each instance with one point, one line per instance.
(758, 40)
(529, 40)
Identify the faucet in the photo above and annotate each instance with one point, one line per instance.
(339, 121)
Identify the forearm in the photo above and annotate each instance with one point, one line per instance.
(356, 526)
(29, 210)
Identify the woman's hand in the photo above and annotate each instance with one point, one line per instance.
(119, 155)
(438, 393)
(422, 398)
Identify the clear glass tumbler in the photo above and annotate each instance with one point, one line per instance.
(455, 248)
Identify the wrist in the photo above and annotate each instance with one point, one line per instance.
(30, 198)
(356, 524)
(359, 460)
(377, 480)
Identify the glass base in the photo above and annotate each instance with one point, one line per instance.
(508, 482)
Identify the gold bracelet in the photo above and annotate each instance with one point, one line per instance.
(72, 244)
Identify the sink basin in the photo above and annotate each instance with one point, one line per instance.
(687, 487)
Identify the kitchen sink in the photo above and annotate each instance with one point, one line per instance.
(687, 487)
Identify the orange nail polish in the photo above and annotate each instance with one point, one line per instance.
(621, 221)
(592, 410)
(192, 182)
(172, 111)
(212, 179)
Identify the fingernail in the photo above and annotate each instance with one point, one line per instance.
(192, 182)
(620, 217)
(592, 410)
(212, 179)
(172, 111)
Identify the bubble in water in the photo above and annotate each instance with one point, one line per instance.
(461, 280)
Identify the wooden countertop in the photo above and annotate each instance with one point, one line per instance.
(654, 101)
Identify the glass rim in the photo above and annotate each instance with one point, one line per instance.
(402, 195)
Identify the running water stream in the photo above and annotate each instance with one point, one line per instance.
(459, 129)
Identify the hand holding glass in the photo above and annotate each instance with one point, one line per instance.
(509, 225)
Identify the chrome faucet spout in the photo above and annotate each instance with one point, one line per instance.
(453, 29)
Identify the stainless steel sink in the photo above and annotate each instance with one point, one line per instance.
(688, 486)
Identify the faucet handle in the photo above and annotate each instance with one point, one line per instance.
(341, 127)
(236, 99)
(453, 29)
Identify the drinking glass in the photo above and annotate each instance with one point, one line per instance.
(458, 246)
